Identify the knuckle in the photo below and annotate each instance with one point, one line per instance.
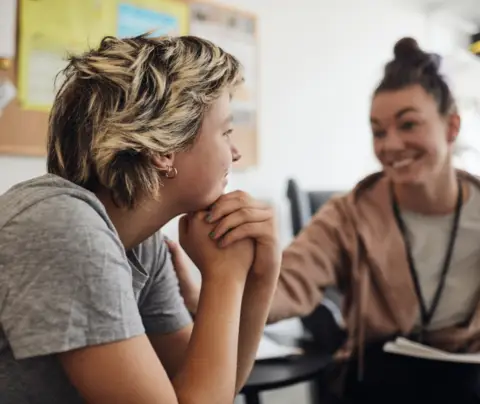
(243, 197)
(221, 198)
(244, 213)
(229, 196)
(240, 199)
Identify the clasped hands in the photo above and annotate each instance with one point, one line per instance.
(237, 237)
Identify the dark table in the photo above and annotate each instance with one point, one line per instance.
(274, 374)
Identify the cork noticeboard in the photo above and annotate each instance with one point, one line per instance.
(23, 132)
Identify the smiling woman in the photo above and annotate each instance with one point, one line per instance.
(402, 246)
(415, 124)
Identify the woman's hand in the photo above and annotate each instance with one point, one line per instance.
(237, 216)
(232, 260)
(220, 309)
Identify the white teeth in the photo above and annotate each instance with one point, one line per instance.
(402, 163)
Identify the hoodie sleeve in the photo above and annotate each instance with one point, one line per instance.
(316, 259)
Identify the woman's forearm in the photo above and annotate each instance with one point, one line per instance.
(209, 372)
(255, 306)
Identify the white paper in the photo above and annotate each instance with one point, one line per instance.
(403, 346)
(8, 17)
(42, 74)
(291, 328)
(269, 349)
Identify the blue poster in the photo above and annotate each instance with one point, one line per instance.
(133, 21)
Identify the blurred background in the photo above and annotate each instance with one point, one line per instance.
(310, 67)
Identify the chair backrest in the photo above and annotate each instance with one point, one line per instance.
(319, 198)
(300, 208)
(324, 322)
(304, 204)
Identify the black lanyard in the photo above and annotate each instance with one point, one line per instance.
(426, 313)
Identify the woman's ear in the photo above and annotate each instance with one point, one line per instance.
(164, 163)
(454, 124)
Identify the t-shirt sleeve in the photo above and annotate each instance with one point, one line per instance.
(70, 285)
(162, 308)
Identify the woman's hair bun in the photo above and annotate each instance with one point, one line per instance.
(413, 66)
(407, 48)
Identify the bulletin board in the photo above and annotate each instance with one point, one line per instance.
(77, 25)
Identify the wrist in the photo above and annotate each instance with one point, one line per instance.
(225, 275)
(224, 291)
(260, 284)
(264, 274)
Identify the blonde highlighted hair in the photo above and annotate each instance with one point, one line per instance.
(131, 99)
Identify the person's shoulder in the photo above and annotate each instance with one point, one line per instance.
(472, 178)
(368, 187)
(50, 213)
(57, 228)
(471, 208)
(51, 201)
(368, 198)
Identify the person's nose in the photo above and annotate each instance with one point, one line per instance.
(236, 156)
(392, 141)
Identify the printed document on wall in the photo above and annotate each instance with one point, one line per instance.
(49, 31)
(8, 25)
(235, 32)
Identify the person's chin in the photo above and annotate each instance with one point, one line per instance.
(214, 195)
(210, 197)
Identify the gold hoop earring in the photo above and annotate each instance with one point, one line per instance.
(171, 172)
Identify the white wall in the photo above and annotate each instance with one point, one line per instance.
(315, 87)
(320, 61)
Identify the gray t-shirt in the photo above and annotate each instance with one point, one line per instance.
(66, 282)
(429, 236)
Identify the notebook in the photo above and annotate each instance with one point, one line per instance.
(403, 346)
(269, 349)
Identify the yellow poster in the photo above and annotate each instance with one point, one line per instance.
(50, 29)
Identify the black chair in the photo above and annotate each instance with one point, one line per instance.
(304, 204)
(325, 322)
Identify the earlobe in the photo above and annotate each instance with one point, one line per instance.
(164, 164)
(454, 125)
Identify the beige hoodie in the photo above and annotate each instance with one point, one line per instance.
(353, 242)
